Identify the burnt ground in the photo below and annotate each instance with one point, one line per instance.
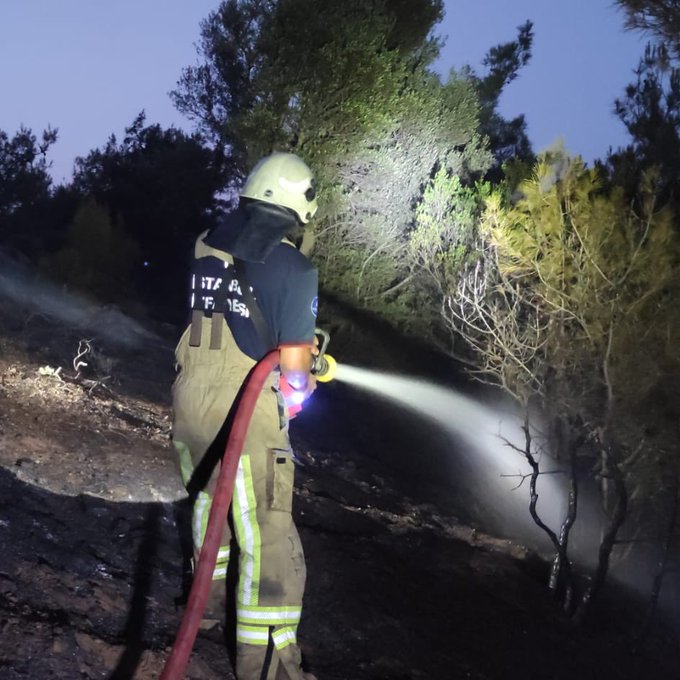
(400, 587)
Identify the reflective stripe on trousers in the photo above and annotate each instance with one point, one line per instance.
(259, 635)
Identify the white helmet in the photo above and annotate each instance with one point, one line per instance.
(283, 179)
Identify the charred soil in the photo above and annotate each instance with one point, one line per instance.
(92, 559)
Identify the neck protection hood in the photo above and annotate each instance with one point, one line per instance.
(252, 231)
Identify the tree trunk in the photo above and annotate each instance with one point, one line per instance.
(671, 532)
(608, 541)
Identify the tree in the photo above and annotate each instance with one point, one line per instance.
(661, 18)
(443, 243)
(349, 90)
(650, 111)
(220, 89)
(160, 186)
(571, 306)
(24, 186)
(507, 138)
(273, 63)
(97, 258)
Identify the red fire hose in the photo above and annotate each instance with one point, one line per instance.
(186, 635)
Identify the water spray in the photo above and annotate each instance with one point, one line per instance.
(487, 440)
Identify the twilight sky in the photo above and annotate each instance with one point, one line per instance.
(88, 67)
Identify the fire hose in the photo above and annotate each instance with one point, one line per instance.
(198, 596)
(178, 659)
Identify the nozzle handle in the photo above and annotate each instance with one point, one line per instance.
(323, 365)
(324, 339)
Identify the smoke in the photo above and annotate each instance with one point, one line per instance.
(33, 295)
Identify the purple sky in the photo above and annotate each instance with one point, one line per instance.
(88, 67)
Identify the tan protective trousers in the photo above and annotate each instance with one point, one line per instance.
(271, 563)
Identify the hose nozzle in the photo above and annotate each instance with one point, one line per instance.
(325, 368)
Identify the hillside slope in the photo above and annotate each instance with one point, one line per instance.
(92, 523)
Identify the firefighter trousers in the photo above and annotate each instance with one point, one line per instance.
(271, 568)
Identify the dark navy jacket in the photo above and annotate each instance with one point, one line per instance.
(284, 286)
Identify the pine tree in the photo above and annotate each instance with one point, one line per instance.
(660, 18)
(572, 307)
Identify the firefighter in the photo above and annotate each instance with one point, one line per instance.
(252, 290)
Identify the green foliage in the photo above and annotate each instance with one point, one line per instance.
(23, 168)
(347, 88)
(446, 222)
(508, 139)
(572, 307)
(443, 242)
(661, 18)
(97, 258)
(219, 89)
(159, 185)
(594, 274)
(281, 62)
(381, 183)
(24, 185)
(650, 111)
(339, 88)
